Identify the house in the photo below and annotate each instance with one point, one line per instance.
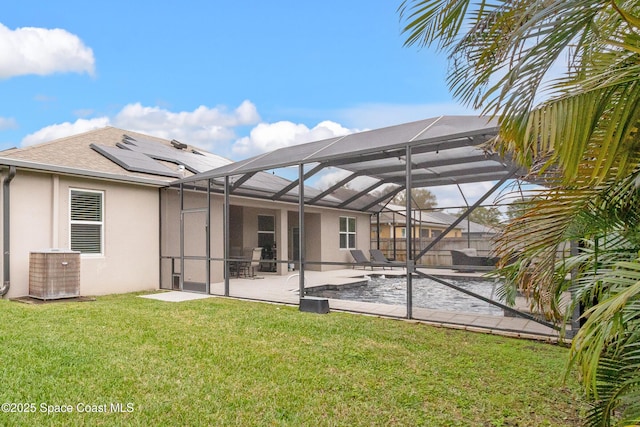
(426, 224)
(468, 229)
(145, 212)
(107, 194)
(389, 233)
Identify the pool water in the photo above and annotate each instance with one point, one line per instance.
(426, 294)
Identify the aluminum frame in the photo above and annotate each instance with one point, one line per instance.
(428, 153)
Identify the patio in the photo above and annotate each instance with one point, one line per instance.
(284, 289)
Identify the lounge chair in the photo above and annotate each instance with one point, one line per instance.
(469, 260)
(360, 259)
(378, 259)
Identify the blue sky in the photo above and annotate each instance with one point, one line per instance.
(237, 78)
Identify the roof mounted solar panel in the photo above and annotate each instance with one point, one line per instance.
(127, 139)
(195, 163)
(134, 161)
(202, 163)
(124, 145)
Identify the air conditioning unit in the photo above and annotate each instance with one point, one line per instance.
(54, 274)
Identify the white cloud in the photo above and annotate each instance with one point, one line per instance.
(271, 136)
(203, 126)
(329, 177)
(7, 123)
(142, 117)
(42, 51)
(332, 175)
(61, 130)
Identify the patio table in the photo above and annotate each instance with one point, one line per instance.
(237, 264)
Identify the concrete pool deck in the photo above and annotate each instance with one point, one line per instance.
(284, 289)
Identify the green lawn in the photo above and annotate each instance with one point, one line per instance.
(227, 362)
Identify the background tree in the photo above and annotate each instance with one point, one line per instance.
(483, 215)
(421, 198)
(578, 130)
(516, 209)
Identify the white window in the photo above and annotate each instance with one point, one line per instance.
(347, 232)
(86, 213)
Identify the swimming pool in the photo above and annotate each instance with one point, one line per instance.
(426, 294)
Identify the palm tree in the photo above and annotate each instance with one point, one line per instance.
(563, 78)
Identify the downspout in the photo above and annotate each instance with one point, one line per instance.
(6, 227)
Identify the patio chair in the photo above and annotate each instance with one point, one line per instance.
(360, 259)
(379, 260)
(255, 262)
(250, 261)
(243, 263)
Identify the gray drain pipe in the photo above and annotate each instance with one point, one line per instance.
(6, 229)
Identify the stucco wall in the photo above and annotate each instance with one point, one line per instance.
(322, 237)
(40, 220)
(331, 236)
(322, 232)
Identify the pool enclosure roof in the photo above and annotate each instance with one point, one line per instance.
(443, 150)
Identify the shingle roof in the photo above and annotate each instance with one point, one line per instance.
(108, 153)
(75, 153)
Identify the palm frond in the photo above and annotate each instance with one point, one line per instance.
(603, 219)
(506, 61)
(607, 348)
(429, 21)
(596, 129)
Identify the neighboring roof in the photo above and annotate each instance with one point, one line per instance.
(444, 150)
(77, 155)
(466, 226)
(396, 214)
